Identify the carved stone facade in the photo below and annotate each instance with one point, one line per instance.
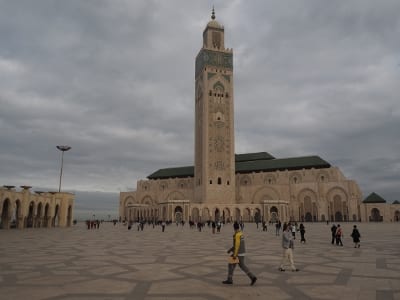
(260, 196)
(220, 187)
(23, 209)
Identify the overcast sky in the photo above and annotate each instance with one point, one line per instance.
(115, 81)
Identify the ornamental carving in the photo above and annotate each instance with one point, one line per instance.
(219, 165)
(219, 144)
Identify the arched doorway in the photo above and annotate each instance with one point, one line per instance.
(69, 216)
(226, 215)
(46, 215)
(246, 215)
(257, 216)
(5, 218)
(38, 219)
(195, 215)
(217, 215)
(237, 215)
(15, 218)
(397, 216)
(308, 217)
(206, 215)
(178, 214)
(273, 214)
(376, 215)
(338, 216)
(29, 220)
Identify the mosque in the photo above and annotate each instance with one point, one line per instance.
(245, 187)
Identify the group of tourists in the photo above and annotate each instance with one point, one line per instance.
(92, 224)
(337, 234)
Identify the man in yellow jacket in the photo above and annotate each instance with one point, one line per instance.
(238, 251)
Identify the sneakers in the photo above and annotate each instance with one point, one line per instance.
(295, 270)
(227, 281)
(253, 280)
(282, 270)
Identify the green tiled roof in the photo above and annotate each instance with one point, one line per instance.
(257, 162)
(172, 173)
(396, 202)
(374, 198)
(293, 163)
(253, 156)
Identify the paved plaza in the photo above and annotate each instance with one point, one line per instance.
(114, 263)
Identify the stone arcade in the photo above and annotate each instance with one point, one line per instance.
(23, 209)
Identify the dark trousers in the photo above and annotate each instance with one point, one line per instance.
(242, 265)
(339, 240)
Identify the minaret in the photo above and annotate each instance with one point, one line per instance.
(214, 172)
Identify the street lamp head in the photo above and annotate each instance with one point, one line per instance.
(63, 148)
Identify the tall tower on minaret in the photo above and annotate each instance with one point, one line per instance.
(214, 171)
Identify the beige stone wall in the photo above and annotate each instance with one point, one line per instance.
(318, 194)
(22, 209)
(380, 212)
(301, 195)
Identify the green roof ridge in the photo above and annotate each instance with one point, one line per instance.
(254, 165)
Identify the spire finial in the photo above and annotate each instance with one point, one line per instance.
(213, 14)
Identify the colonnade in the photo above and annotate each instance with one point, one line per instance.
(23, 209)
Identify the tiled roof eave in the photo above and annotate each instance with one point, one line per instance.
(245, 171)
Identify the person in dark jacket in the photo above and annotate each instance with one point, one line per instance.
(356, 237)
(333, 231)
(238, 251)
(302, 232)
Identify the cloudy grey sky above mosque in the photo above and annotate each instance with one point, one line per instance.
(116, 82)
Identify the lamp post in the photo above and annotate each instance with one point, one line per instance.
(62, 149)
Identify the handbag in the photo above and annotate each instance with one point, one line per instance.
(233, 260)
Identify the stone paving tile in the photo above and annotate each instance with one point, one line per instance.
(113, 263)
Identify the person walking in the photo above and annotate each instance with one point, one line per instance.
(339, 234)
(356, 237)
(333, 231)
(238, 251)
(293, 226)
(213, 226)
(278, 227)
(163, 226)
(264, 225)
(288, 246)
(302, 232)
